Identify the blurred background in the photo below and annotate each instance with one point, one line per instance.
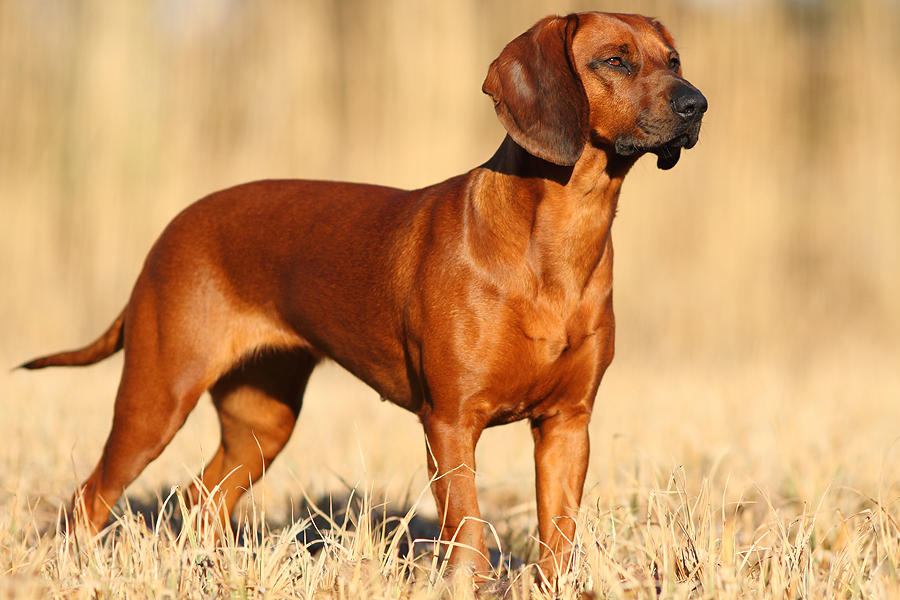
(757, 283)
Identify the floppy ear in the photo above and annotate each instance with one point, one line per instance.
(537, 93)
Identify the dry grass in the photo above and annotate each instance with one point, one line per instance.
(744, 438)
(648, 538)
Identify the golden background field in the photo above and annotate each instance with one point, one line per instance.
(757, 284)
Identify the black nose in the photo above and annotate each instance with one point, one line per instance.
(689, 104)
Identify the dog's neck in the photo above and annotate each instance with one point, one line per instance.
(554, 220)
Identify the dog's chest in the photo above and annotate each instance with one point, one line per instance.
(547, 332)
(534, 356)
(546, 353)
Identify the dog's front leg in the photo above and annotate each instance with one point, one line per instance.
(561, 449)
(451, 467)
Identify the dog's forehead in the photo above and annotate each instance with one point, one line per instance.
(636, 32)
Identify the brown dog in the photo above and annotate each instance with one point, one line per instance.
(475, 302)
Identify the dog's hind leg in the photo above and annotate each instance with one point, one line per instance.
(258, 402)
(151, 406)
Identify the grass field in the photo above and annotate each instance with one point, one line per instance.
(744, 441)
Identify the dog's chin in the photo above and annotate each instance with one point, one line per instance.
(667, 158)
(667, 153)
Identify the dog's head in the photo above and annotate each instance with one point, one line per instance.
(613, 81)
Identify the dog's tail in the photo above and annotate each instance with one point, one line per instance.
(106, 345)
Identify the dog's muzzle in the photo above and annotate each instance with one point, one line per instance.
(666, 138)
(689, 105)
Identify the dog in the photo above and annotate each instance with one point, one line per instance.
(475, 302)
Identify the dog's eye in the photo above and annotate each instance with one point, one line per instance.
(674, 63)
(616, 62)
